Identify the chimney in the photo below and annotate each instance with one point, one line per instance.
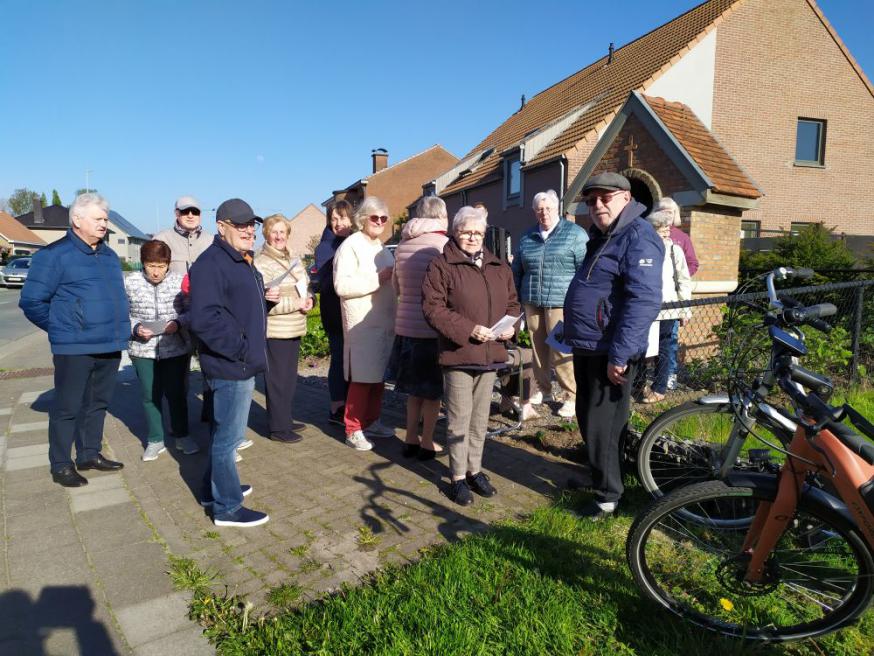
(380, 159)
(610, 53)
(522, 106)
(37, 210)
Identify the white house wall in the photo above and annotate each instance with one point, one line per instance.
(691, 80)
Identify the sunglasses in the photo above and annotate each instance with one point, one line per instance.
(190, 210)
(604, 198)
(375, 218)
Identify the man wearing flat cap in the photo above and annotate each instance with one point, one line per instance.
(229, 316)
(610, 304)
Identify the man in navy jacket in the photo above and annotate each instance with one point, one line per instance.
(75, 292)
(610, 304)
(229, 317)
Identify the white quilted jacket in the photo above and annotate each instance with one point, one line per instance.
(164, 301)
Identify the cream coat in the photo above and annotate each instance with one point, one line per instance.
(368, 308)
(285, 320)
(676, 282)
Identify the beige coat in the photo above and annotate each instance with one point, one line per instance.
(368, 307)
(285, 320)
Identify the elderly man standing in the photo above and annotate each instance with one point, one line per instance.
(75, 292)
(229, 317)
(547, 258)
(610, 304)
(187, 239)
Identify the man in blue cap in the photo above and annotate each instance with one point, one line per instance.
(613, 298)
(229, 316)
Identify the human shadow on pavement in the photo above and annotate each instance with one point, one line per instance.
(26, 624)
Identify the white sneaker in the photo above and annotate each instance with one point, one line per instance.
(539, 397)
(672, 381)
(378, 429)
(568, 409)
(358, 442)
(245, 444)
(153, 450)
(237, 457)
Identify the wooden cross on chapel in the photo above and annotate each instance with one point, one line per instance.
(630, 147)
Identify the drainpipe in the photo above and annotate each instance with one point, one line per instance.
(561, 177)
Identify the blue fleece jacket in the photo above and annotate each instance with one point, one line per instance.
(542, 270)
(228, 313)
(617, 291)
(76, 294)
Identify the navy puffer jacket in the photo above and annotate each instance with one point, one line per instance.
(617, 292)
(542, 270)
(76, 294)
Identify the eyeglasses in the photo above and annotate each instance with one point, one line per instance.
(156, 266)
(190, 210)
(242, 227)
(604, 198)
(375, 218)
(471, 234)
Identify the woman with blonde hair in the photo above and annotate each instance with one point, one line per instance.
(286, 324)
(362, 278)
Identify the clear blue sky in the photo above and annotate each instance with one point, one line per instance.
(277, 102)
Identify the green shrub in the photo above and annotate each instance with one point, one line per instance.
(315, 342)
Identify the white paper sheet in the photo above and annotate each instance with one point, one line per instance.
(554, 339)
(302, 287)
(504, 324)
(278, 279)
(158, 327)
(652, 340)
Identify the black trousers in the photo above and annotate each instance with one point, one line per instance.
(602, 413)
(83, 389)
(280, 382)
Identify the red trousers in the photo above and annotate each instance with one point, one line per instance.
(363, 405)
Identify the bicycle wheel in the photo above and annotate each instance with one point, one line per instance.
(818, 579)
(685, 445)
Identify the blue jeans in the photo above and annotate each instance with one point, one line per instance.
(667, 353)
(675, 345)
(337, 385)
(221, 483)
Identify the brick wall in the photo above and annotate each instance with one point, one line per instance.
(777, 62)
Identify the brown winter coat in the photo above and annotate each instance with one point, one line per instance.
(457, 295)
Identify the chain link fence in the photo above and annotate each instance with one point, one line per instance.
(711, 347)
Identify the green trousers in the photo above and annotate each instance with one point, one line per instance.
(159, 379)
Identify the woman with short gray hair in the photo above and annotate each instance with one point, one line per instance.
(544, 264)
(362, 277)
(466, 291)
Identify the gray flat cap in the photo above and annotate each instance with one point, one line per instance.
(609, 181)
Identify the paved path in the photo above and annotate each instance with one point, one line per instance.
(84, 571)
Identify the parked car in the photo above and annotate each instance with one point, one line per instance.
(15, 272)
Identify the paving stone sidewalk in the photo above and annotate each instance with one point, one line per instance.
(84, 571)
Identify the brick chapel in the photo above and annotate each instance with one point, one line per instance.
(749, 113)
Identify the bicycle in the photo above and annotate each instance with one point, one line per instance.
(703, 439)
(771, 556)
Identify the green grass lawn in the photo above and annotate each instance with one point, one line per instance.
(548, 585)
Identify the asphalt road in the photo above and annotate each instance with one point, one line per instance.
(13, 324)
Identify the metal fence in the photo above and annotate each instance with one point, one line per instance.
(712, 348)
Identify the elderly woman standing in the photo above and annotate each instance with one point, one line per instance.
(676, 286)
(414, 358)
(466, 291)
(545, 262)
(159, 347)
(286, 324)
(339, 227)
(362, 277)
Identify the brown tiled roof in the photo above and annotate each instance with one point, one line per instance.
(725, 173)
(14, 231)
(633, 66)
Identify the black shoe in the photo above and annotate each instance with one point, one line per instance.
(287, 437)
(69, 477)
(460, 493)
(336, 417)
(296, 426)
(594, 513)
(479, 483)
(100, 463)
(410, 450)
(582, 482)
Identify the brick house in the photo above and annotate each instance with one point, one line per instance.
(398, 185)
(307, 224)
(15, 239)
(763, 89)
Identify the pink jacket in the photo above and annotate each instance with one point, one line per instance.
(421, 241)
